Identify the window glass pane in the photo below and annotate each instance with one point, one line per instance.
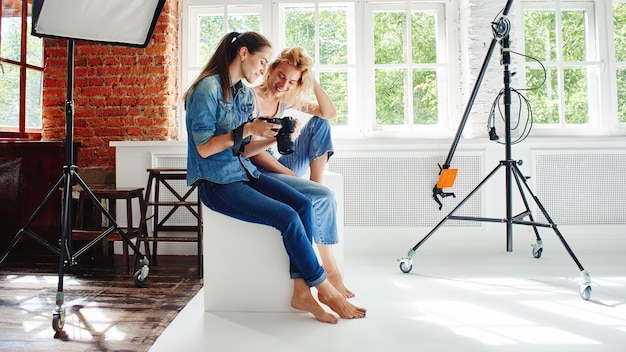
(390, 96)
(34, 49)
(423, 36)
(619, 18)
(336, 86)
(621, 94)
(9, 96)
(11, 33)
(33, 98)
(545, 99)
(576, 106)
(389, 37)
(211, 29)
(540, 35)
(300, 28)
(333, 35)
(573, 24)
(244, 23)
(425, 97)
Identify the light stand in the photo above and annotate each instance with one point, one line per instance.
(117, 22)
(501, 31)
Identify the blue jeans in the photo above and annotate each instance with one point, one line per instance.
(269, 201)
(314, 141)
(324, 207)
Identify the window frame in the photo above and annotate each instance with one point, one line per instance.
(615, 64)
(350, 68)
(601, 119)
(443, 66)
(603, 111)
(22, 131)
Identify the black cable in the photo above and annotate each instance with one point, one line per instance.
(523, 101)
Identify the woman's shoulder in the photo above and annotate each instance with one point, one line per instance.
(210, 81)
(209, 86)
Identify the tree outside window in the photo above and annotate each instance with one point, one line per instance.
(409, 70)
(21, 69)
(207, 24)
(560, 36)
(327, 32)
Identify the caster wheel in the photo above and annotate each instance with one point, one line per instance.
(57, 322)
(405, 268)
(139, 278)
(585, 292)
(537, 251)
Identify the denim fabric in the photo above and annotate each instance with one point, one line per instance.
(324, 207)
(207, 116)
(271, 202)
(313, 142)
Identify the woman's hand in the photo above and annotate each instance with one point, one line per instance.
(297, 128)
(262, 128)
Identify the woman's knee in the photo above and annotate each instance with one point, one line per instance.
(319, 124)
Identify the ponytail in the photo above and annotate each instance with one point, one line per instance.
(226, 52)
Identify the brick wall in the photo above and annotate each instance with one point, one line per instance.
(120, 93)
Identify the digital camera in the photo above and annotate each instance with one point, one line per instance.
(284, 138)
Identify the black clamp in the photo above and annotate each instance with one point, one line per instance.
(438, 192)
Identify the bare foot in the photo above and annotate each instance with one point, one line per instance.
(337, 281)
(303, 301)
(329, 296)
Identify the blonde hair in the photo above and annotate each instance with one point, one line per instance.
(297, 57)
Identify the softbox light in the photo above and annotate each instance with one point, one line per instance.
(118, 22)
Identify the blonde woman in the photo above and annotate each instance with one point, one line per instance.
(289, 84)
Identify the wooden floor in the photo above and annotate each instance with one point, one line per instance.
(105, 310)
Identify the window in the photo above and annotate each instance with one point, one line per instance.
(207, 24)
(408, 91)
(401, 67)
(409, 65)
(327, 32)
(561, 35)
(619, 28)
(21, 69)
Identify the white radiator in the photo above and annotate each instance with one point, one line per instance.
(396, 191)
(576, 188)
(581, 187)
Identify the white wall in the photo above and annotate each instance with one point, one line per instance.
(133, 158)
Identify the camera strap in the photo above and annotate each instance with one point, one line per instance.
(238, 139)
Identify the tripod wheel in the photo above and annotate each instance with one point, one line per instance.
(585, 292)
(405, 267)
(537, 251)
(57, 322)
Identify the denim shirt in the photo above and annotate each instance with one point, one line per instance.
(207, 116)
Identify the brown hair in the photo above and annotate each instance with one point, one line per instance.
(226, 52)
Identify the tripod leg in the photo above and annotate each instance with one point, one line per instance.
(142, 273)
(538, 246)
(58, 316)
(32, 218)
(406, 264)
(585, 286)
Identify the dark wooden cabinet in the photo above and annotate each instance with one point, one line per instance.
(28, 172)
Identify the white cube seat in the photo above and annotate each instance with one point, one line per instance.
(246, 267)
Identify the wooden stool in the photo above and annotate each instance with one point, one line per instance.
(172, 199)
(85, 231)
